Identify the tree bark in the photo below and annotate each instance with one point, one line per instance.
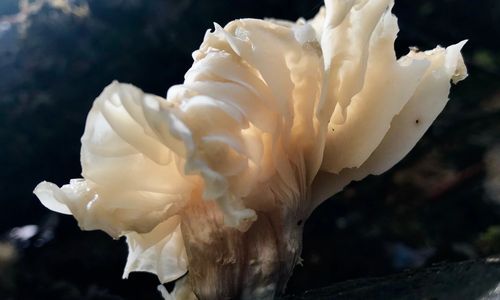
(478, 279)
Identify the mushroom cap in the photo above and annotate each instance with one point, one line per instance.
(271, 115)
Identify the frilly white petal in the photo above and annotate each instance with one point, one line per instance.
(382, 96)
(160, 251)
(51, 197)
(423, 108)
(249, 110)
(409, 125)
(133, 181)
(347, 30)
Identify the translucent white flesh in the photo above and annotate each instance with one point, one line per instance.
(273, 118)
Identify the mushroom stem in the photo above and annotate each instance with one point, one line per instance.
(226, 263)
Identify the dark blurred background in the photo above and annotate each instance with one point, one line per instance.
(441, 203)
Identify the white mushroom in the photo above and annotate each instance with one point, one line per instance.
(273, 118)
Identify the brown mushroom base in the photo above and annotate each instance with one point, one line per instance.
(225, 263)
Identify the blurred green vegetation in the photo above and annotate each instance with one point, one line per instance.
(432, 207)
(489, 241)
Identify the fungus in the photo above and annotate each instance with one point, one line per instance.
(212, 184)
